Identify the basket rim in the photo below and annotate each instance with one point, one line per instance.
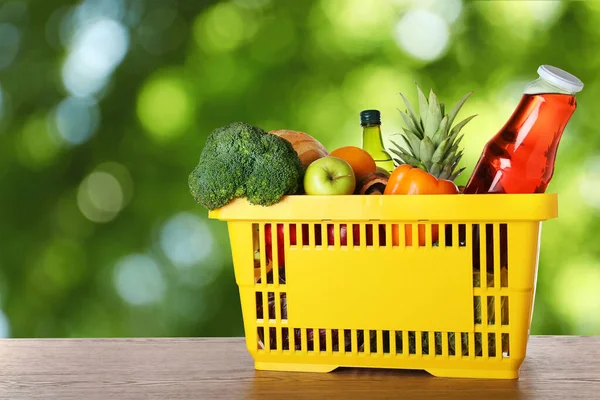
(396, 208)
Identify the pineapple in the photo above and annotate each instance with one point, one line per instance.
(432, 142)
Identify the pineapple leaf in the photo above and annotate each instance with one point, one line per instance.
(434, 116)
(457, 142)
(443, 174)
(435, 169)
(442, 109)
(457, 173)
(413, 141)
(460, 125)
(426, 149)
(439, 153)
(441, 132)
(423, 106)
(413, 114)
(408, 121)
(447, 171)
(398, 162)
(456, 160)
(454, 111)
(449, 157)
(428, 165)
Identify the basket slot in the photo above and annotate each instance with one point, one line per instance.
(275, 254)
(334, 340)
(477, 309)
(496, 255)
(271, 306)
(491, 308)
(468, 343)
(385, 342)
(505, 345)
(437, 343)
(453, 344)
(398, 342)
(504, 254)
(382, 235)
(478, 344)
(482, 247)
(348, 347)
(263, 255)
(425, 345)
(285, 338)
(446, 236)
(492, 344)
(412, 343)
(504, 310)
(259, 306)
(373, 338)
(360, 340)
(463, 237)
(310, 344)
(297, 339)
(283, 306)
(260, 331)
(475, 255)
(489, 251)
(398, 235)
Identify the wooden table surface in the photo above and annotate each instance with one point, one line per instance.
(557, 367)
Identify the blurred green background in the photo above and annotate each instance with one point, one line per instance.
(105, 106)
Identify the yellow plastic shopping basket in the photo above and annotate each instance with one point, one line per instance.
(443, 283)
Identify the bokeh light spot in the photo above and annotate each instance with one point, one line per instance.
(422, 34)
(97, 49)
(4, 325)
(186, 240)
(221, 28)
(576, 287)
(77, 119)
(10, 39)
(165, 108)
(38, 144)
(100, 197)
(138, 280)
(589, 186)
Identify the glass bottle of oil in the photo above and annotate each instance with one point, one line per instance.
(370, 120)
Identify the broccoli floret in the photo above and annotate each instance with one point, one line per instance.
(241, 160)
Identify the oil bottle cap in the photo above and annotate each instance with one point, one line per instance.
(370, 117)
(560, 78)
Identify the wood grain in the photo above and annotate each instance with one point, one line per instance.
(557, 367)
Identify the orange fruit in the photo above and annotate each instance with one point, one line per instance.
(361, 162)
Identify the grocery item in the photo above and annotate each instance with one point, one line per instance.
(520, 158)
(329, 176)
(361, 162)
(431, 141)
(308, 148)
(372, 142)
(241, 160)
(373, 183)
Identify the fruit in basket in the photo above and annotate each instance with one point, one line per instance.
(329, 176)
(372, 183)
(308, 148)
(432, 144)
(407, 179)
(241, 160)
(361, 161)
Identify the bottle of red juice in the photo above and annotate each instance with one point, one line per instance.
(520, 157)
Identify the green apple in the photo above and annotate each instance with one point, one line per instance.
(329, 176)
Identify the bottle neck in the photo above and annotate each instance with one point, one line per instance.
(372, 137)
(540, 86)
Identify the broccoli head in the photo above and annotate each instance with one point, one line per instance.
(241, 160)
